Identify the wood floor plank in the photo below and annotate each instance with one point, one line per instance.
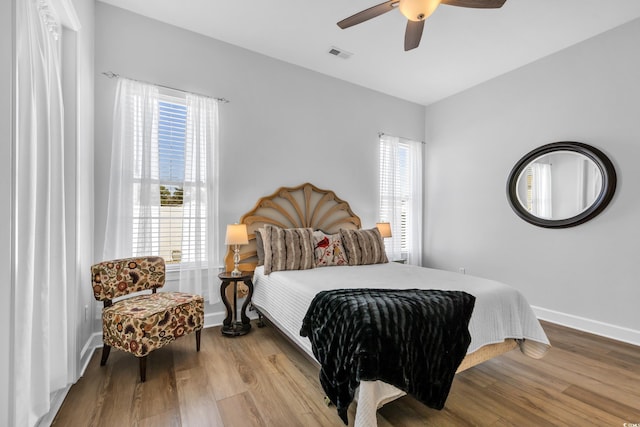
(185, 355)
(484, 406)
(267, 347)
(597, 400)
(240, 410)
(260, 379)
(582, 371)
(307, 395)
(123, 372)
(517, 365)
(158, 393)
(258, 376)
(198, 405)
(228, 382)
(555, 408)
(162, 419)
(407, 411)
(74, 407)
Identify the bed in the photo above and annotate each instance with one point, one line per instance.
(501, 321)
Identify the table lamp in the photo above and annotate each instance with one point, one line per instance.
(236, 236)
(384, 228)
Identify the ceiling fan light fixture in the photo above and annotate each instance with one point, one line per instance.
(418, 10)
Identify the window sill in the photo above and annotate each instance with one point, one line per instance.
(173, 271)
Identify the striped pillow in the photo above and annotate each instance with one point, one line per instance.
(364, 246)
(287, 249)
(260, 246)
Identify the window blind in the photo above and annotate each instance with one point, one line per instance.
(395, 192)
(401, 195)
(164, 225)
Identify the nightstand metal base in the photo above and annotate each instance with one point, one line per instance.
(231, 326)
(236, 329)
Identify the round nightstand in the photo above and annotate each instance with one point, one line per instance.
(231, 326)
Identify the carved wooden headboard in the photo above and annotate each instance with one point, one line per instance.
(293, 207)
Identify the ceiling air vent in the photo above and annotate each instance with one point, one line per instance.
(340, 53)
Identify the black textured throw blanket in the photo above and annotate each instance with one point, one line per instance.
(413, 339)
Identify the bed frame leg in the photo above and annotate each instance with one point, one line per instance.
(260, 321)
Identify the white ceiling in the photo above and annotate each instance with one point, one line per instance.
(460, 47)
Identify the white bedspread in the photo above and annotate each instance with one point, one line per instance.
(500, 311)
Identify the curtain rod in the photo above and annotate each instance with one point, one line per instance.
(381, 134)
(113, 75)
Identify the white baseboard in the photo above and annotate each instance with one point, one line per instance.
(94, 341)
(214, 319)
(595, 327)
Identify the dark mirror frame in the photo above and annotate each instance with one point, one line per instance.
(602, 200)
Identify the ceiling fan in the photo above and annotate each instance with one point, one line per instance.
(416, 12)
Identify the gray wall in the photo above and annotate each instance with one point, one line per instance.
(78, 77)
(583, 276)
(285, 125)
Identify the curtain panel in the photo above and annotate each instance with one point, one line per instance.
(134, 188)
(541, 204)
(40, 343)
(199, 265)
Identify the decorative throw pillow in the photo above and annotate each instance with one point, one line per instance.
(287, 249)
(260, 246)
(364, 246)
(328, 249)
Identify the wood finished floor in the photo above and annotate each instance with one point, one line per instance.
(261, 380)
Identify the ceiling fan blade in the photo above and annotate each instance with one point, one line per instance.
(478, 4)
(413, 34)
(367, 14)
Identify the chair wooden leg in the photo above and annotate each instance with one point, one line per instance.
(198, 339)
(105, 354)
(143, 368)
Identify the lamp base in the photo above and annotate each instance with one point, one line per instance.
(236, 260)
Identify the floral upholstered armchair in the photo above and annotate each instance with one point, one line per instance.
(142, 323)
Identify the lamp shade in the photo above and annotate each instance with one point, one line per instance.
(384, 228)
(418, 10)
(236, 235)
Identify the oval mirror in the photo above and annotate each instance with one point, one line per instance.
(561, 184)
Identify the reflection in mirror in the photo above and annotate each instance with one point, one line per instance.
(559, 185)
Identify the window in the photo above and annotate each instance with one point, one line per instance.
(157, 229)
(163, 186)
(172, 126)
(401, 196)
(539, 189)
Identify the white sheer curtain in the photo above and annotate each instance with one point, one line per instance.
(589, 183)
(199, 265)
(415, 208)
(134, 191)
(401, 196)
(40, 339)
(541, 190)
